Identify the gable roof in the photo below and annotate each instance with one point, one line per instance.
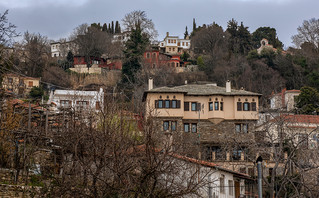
(200, 90)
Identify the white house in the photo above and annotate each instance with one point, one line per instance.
(216, 182)
(61, 49)
(174, 45)
(89, 100)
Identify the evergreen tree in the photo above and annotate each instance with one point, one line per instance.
(134, 49)
(104, 28)
(70, 59)
(268, 33)
(308, 101)
(186, 33)
(194, 25)
(117, 27)
(109, 29)
(112, 29)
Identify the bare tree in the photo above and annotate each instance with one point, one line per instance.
(288, 148)
(7, 30)
(35, 51)
(308, 32)
(139, 19)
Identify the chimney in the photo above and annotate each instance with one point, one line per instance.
(167, 33)
(228, 86)
(150, 83)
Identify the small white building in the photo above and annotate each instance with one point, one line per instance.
(87, 100)
(216, 182)
(61, 49)
(174, 45)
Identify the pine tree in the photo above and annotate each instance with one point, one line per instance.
(134, 49)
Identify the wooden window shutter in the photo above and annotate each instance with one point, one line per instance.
(178, 104)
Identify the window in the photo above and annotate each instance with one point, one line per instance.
(211, 107)
(173, 49)
(183, 43)
(174, 104)
(194, 106)
(245, 128)
(216, 104)
(239, 106)
(236, 154)
(222, 184)
(30, 84)
(221, 106)
(165, 125)
(253, 106)
(231, 187)
(241, 128)
(238, 128)
(169, 49)
(186, 43)
(147, 55)
(65, 103)
(186, 106)
(159, 104)
(194, 127)
(246, 106)
(167, 102)
(154, 55)
(186, 127)
(173, 127)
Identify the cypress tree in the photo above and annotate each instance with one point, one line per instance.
(117, 28)
(109, 29)
(186, 33)
(112, 30)
(104, 28)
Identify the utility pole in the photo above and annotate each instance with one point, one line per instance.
(259, 170)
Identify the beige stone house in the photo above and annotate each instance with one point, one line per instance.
(206, 121)
(19, 85)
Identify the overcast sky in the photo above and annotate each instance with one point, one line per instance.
(57, 18)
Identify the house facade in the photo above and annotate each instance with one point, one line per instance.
(19, 85)
(96, 64)
(61, 49)
(174, 45)
(157, 59)
(204, 121)
(79, 100)
(216, 181)
(284, 101)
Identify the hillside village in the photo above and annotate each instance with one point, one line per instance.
(114, 112)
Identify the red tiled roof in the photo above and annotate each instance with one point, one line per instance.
(313, 119)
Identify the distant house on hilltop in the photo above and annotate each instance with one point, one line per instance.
(174, 45)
